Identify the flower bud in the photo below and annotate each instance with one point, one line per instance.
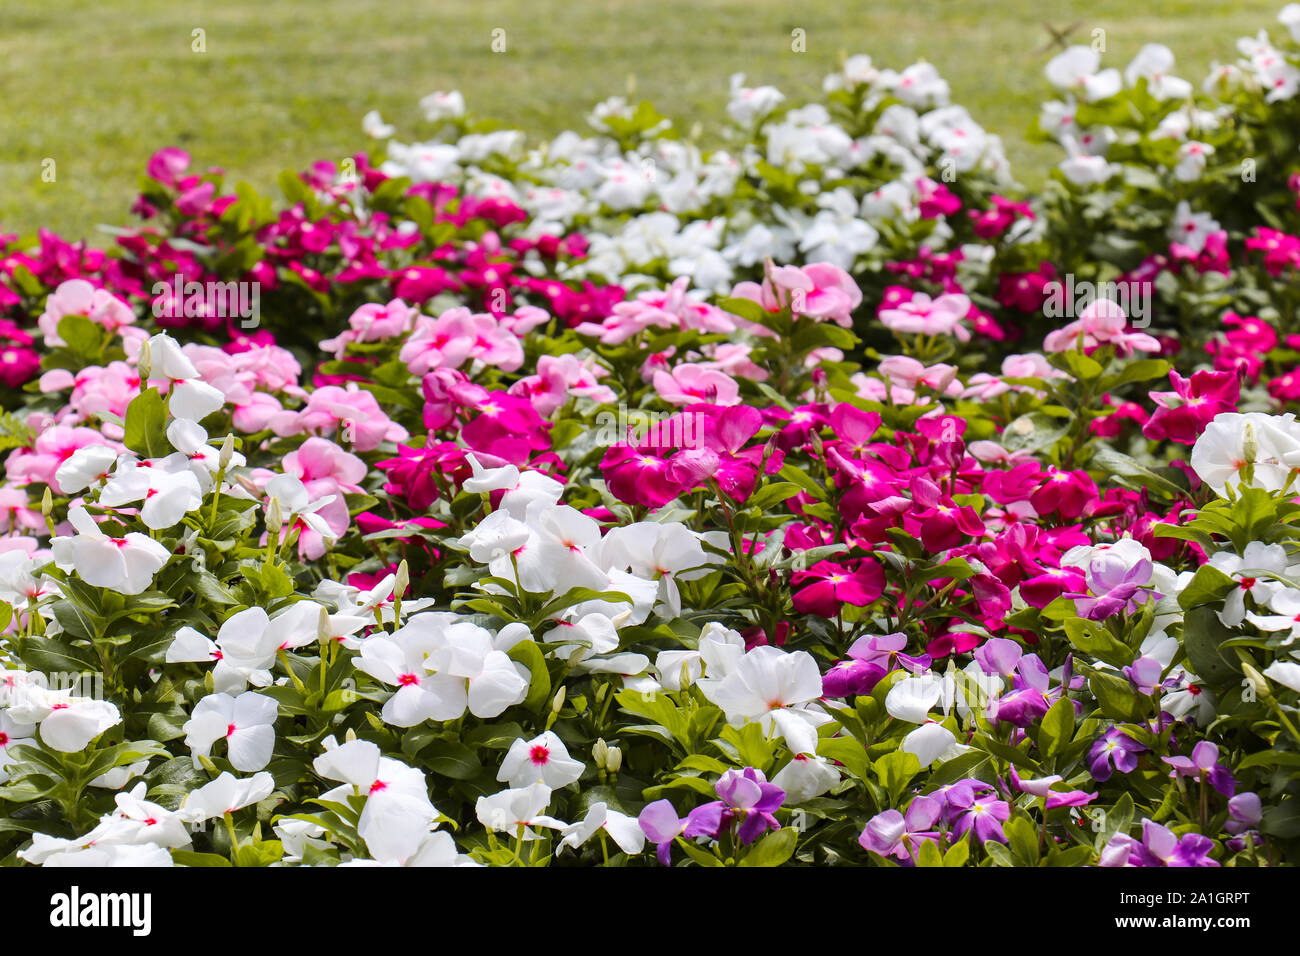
(598, 751)
(227, 452)
(613, 759)
(402, 580)
(47, 502)
(558, 700)
(274, 517)
(144, 364)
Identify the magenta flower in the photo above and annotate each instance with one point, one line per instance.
(826, 587)
(1182, 414)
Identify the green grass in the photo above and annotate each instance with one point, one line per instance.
(97, 86)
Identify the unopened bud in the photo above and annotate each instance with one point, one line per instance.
(1249, 443)
(144, 364)
(613, 759)
(558, 700)
(598, 751)
(323, 630)
(1257, 680)
(274, 517)
(350, 736)
(227, 452)
(402, 581)
(47, 502)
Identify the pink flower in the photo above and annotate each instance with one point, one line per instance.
(688, 384)
(348, 411)
(79, 297)
(925, 316)
(1101, 323)
(559, 377)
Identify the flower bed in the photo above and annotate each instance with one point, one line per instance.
(814, 497)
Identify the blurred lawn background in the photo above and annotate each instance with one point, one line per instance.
(98, 85)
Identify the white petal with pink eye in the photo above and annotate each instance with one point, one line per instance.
(355, 762)
(190, 646)
(72, 725)
(87, 465)
(142, 558)
(544, 759)
(194, 400)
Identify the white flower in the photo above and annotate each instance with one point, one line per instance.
(1076, 70)
(1191, 161)
(12, 733)
(507, 811)
(247, 644)
(750, 103)
(769, 686)
(1191, 229)
(443, 106)
(121, 564)
(1286, 673)
(398, 815)
(1153, 62)
(543, 759)
(246, 723)
(168, 496)
(67, 723)
(805, 777)
(373, 125)
(1271, 443)
(623, 829)
(225, 795)
(88, 465)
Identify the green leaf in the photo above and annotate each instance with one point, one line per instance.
(451, 759)
(773, 850)
(1057, 728)
(539, 687)
(146, 425)
(1203, 632)
(1116, 697)
(1208, 586)
(895, 771)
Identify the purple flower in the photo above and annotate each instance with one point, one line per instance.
(886, 651)
(953, 797)
(1158, 847)
(1245, 812)
(1028, 699)
(891, 834)
(1114, 586)
(998, 655)
(661, 825)
(1144, 674)
(984, 815)
(1204, 765)
(1042, 787)
(747, 797)
(1113, 750)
